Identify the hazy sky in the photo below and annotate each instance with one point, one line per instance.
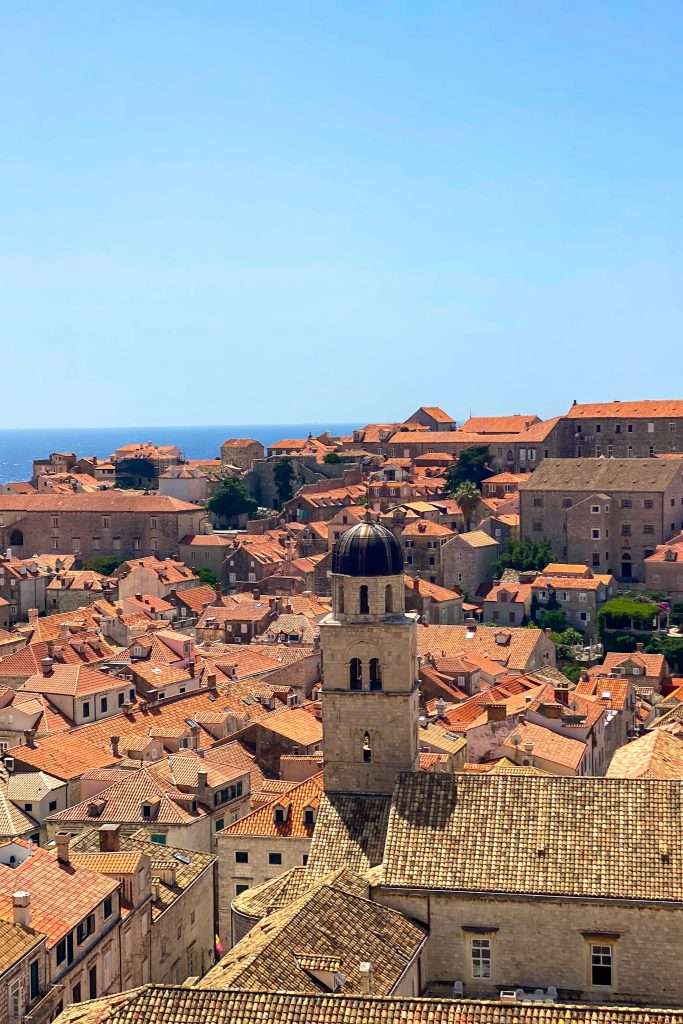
(270, 212)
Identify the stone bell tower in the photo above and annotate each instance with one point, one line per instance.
(370, 691)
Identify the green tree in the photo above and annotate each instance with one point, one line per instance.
(471, 467)
(627, 613)
(105, 564)
(554, 619)
(335, 457)
(467, 497)
(231, 500)
(283, 474)
(672, 649)
(207, 576)
(525, 555)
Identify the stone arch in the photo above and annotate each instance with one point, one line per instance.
(375, 674)
(355, 674)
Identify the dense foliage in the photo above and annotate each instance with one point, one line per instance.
(627, 613)
(283, 474)
(524, 555)
(467, 497)
(471, 467)
(105, 564)
(207, 576)
(231, 500)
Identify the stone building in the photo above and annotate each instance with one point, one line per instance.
(664, 568)
(468, 561)
(609, 514)
(575, 590)
(623, 429)
(23, 962)
(423, 542)
(101, 523)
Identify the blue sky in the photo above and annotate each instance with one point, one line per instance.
(270, 212)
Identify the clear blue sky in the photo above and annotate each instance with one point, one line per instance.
(270, 212)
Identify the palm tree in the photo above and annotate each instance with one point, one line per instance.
(467, 497)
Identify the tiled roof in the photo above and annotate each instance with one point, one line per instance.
(296, 725)
(15, 943)
(350, 832)
(654, 664)
(116, 862)
(569, 582)
(431, 590)
(548, 745)
(279, 892)
(98, 501)
(205, 540)
(261, 822)
(656, 755)
(65, 756)
(435, 735)
(157, 1004)
(609, 693)
(426, 528)
(187, 868)
(647, 408)
(445, 641)
(499, 424)
(477, 539)
(196, 598)
(587, 837)
(326, 922)
(593, 475)
(71, 680)
(61, 895)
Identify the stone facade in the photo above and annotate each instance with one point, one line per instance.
(468, 560)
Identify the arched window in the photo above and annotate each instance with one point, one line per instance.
(375, 674)
(340, 598)
(388, 598)
(367, 748)
(364, 607)
(16, 539)
(356, 674)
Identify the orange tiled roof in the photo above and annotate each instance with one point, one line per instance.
(548, 745)
(648, 408)
(499, 424)
(261, 822)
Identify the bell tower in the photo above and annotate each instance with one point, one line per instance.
(370, 692)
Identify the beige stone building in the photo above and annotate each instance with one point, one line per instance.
(664, 568)
(104, 523)
(577, 591)
(608, 514)
(624, 429)
(468, 561)
(271, 840)
(23, 962)
(241, 452)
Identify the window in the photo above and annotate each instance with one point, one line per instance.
(355, 674)
(241, 857)
(367, 749)
(105, 522)
(103, 704)
(566, 503)
(650, 428)
(275, 858)
(538, 502)
(629, 428)
(28, 807)
(629, 452)
(86, 708)
(76, 993)
(116, 543)
(76, 544)
(625, 529)
(672, 428)
(598, 428)
(136, 543)
(610, 451)
(583, 596)
(375, 674)
(595, 534)
(220, 824)
(35, 979)
(55, 523)
(652, 451)
(108, 907)
(92, 982)
(648, 528)
(240, 887)
(309, 816)
(596, 559)
(364, 605)
(626, 503)
(601, 965)
(52, 806)
(481, 958)
(598, 451)
(61, 951)
(648, 503)
(537, 527)
(617, 428)
(159, 838)
(388, 598)
(595, 509)
(304, 859)
(152, 524)
(85, 928)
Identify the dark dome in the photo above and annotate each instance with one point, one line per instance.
(367, 549)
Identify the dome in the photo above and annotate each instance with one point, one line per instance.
(367, 549)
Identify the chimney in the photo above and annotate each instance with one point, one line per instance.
(138, 597)
(114, 741)
(211, 680)
(109, 838)
(218, 588)
(202, 784)
(64, 632)
(640, 647)
(195, 736)
(155, 890)
(256, 594)
(21, 908)
(32, 616)
(46, 666)
(30, 738)
(440, 707)
(365, 977)
(63, 839)
(496, 713)
(562, 695)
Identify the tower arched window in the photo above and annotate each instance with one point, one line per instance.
(367, 748)
(363, 600)
(356, 674)
(16, 539)
(375, 674)
(340, 598)
(388, 598)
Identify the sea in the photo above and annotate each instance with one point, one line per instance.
(18, 448)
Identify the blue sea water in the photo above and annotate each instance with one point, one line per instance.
(18, 448)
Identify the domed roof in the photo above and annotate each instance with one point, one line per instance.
(367, 549)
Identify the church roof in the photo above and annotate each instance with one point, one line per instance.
(367, 549)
